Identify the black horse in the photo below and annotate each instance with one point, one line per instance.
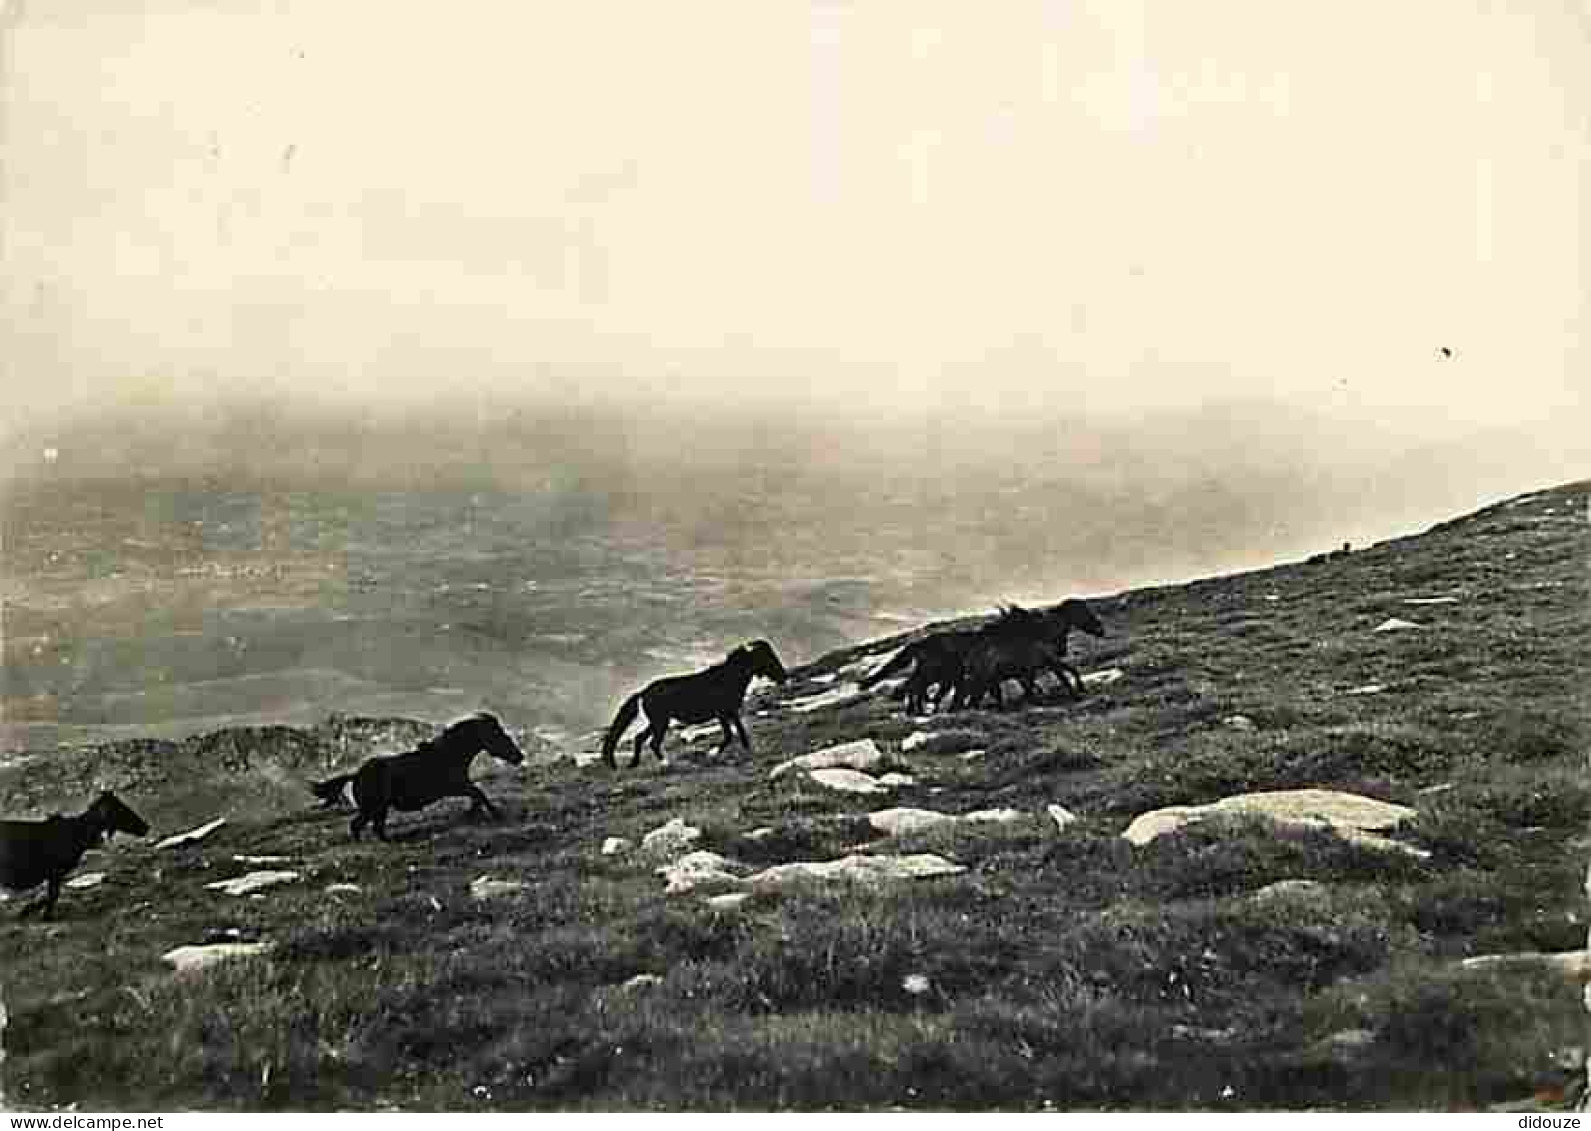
(714, 693)
(43, 852)
(936, 661)
(1018, 645)
(437, 768)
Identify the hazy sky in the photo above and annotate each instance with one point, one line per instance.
(1045, 205)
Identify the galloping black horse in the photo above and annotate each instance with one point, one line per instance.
(715, 693)
(936, 661)
(1018, 645)
(43, 852)
(437, 768)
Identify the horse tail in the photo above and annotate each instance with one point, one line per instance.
(901, 659)
(330, 791)
(621, 722)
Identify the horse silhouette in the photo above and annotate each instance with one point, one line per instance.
(714, 693)
(1018, 645)
(936, 661)
(437, 768)
(43, 852)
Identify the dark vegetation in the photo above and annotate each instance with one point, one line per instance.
(1062, 969)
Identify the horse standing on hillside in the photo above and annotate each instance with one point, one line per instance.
(1018, 645)
(43, 852)
(437, 768)
(715, 693)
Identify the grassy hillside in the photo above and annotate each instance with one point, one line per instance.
(1063, 968)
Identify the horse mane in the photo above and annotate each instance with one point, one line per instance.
(1014, 617)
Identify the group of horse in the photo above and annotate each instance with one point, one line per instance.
(965, 665)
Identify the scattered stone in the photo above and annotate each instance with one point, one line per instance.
(1367, 689)
(671, 839)
(895, 780)
(1061, 816)
(973, 755)
(192, 836)
(86, 880)
(700, 730)
(848, 781)
(1239, 722)
(993, 816)
(1443, 788)
(343, 889)
(186, 959)
(915, 739)
(584, 758)
(1102, 678)
(1283, 890)
(916, 984)
(1350, 815)
(1430, 600)
(860, 868)
(867, 665)
(761, 832)
(1273, 596)
(839, 696)
(862, 754)
(262, 859)
(642, 982)
(484, 887)
(1572, 965)
(825, 679)
(252, 882)
(614, 845)
(896, 822)
(728, 901)
(1396, 624)
(697, 869)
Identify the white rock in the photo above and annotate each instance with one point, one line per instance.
(1239, 722)
(1102, 678)
(192, 835)
(700, 730)
(862, 754)
(892, 780)
(1396, 624)
(252, 882)
(1350, 815)
(671, 839)
(1291, 889)
(1430, 600)
(262, 859)
(848, 781)
(915, 739)
(867, 665)
(973, 755)
(1061, 816)
(993, 816)
(697, 869)
(343, 889)
(1367, 689)
(614, 845)
(895, 822)
(761, 832)
(584, 758)
(728, 901)
(642, 982)
(484, 887)
(189, 958)
(825, 679)
(86, 880)
(865, 869)
(834, 697)
(1573, 965)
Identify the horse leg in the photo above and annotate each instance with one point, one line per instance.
(378, 821)
(479, 801)
(727, 737)
(640, 744)
(658, 731)
(44, 906)
(745, 739)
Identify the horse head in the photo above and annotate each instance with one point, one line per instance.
(115, 816)
(495, 740)
(763, 660)
(1075, 613)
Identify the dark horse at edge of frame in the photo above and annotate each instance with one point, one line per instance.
(714, 693)
(437, 768)
(43, 852)
(1018, 645)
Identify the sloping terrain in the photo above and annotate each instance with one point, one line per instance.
(1236, 962)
